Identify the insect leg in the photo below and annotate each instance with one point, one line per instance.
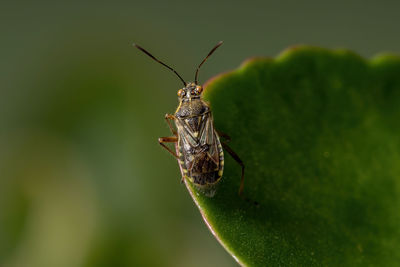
(172, 139)
(239, 161)
(224, 135)
(169, 118)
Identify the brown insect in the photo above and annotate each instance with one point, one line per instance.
(197, 144)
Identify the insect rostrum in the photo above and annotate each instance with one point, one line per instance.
(198, 148)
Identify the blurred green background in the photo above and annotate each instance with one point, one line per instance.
(83, 181)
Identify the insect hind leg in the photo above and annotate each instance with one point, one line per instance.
(224, 135)
(240, 162)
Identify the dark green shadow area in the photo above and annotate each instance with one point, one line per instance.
(319, 133)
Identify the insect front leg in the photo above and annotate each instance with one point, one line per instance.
(168, 119)
(171, 139)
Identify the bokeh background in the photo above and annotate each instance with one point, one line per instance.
(83, 181)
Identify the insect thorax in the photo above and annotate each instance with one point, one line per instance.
(192, 113)
(192, 107)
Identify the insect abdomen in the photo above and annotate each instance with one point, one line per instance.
(203, 173)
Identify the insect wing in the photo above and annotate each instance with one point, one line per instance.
(189, 140)
(209, 137)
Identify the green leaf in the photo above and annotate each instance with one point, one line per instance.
(319, 133)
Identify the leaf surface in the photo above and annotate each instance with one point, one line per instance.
(319, 133)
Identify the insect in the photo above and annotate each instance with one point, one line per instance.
(198, 147)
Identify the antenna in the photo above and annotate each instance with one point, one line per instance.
(204, 60)
(165, 65)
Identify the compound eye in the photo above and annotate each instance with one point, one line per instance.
(199, 89)
(181, 92)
